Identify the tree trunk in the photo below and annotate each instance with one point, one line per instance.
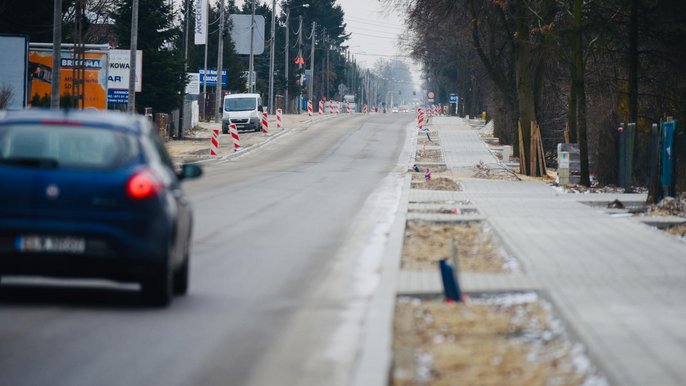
(580, 88)
(526, 70)
(572, 109)
(633, 62)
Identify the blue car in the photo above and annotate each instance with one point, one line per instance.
(93, 195)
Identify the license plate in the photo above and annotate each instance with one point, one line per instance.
(55, 244)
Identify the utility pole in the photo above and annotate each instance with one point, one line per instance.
(272, 42)
(131, 107)
(326, 43)
(204, 78)
(185, 71)
(56, 51)
(287, 44)
(218, 98)
(300, 66)
(251, 68)
(310, 86)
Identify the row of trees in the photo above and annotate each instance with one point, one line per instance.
(577, 67)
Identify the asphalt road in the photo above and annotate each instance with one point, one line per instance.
(286, 253)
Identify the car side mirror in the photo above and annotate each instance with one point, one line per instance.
(189, 171)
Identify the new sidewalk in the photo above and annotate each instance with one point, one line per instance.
(619, 284)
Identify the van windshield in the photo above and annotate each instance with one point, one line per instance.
(240, 104)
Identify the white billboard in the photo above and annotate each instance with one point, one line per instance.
(118, 75)
(240, 34)
(13, 69)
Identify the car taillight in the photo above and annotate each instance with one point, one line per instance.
(143, 184)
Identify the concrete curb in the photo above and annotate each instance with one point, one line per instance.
(376, 352)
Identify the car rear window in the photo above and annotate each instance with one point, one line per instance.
(66, 146)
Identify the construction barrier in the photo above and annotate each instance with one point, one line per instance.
(321, 107)
(420, 119)
(234, 135)
(279, 121)
(330, 106)
(214, 143)
(265, 123)
(309, 108)
(364, 109)
(347, 107)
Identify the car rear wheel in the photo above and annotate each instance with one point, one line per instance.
(181, 277)
(158, 285)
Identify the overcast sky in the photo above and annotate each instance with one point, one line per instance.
(374, 31)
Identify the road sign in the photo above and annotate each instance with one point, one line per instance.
(430, 95)
(212, 77)
(453, 98)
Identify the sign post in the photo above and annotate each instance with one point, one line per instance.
(453, 104)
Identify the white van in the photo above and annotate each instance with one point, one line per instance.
(243, 110)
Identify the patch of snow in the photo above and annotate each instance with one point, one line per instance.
(424, 366)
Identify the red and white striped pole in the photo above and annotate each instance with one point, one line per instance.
(214, 143)
(279, 121)
(265, 123)
(338, 107)
(309, 108)
(321, 107)
(234, 135)
(420, 119)
(330, 106)
(364, 109)
(347, 107)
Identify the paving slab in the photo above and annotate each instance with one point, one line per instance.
(620, 285)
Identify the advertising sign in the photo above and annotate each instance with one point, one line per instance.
(95, 76)
(200, 22)
(15, 49)
(212, 77)
(240, 34)
(193, 85)
(118, 75)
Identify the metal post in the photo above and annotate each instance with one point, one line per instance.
(271, 60)
(132, 58)
(622, 157)
(251, 67)
(218, 100)
(56, 53)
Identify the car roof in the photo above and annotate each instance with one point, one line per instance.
(231, 96)
(135, 124)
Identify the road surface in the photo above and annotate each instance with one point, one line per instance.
(286, 252)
